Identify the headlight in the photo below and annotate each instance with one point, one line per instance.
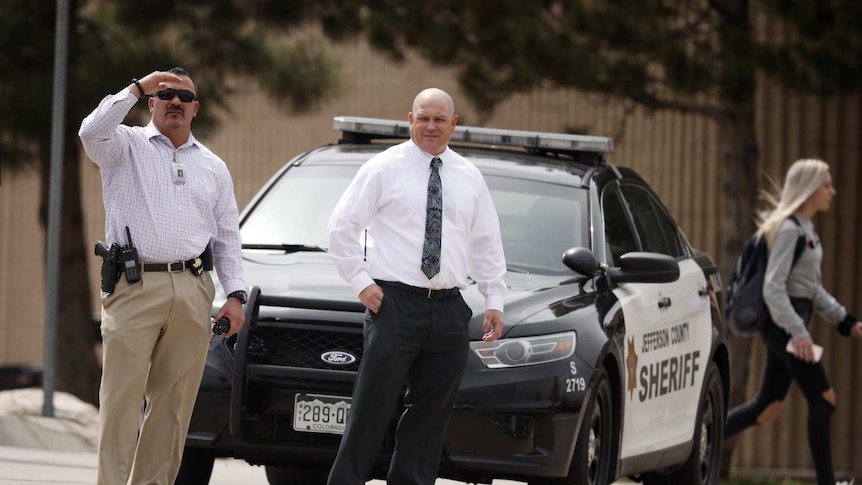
(514, 352)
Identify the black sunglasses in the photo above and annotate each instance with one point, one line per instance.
(168, 94)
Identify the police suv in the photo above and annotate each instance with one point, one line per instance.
(613, 360)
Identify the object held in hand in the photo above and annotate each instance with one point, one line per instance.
(818, 350)
(221, 326)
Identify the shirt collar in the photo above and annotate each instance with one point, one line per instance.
(151, 131)
(425, 157)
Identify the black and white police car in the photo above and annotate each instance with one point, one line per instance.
(613, 360)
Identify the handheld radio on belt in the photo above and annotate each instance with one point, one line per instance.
(130, 260)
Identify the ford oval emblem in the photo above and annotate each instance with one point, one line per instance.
(336, 357)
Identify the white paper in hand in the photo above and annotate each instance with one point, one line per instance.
(818, 350)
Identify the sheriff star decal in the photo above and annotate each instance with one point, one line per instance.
(631, 365)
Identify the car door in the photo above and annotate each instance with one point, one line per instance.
(666, 327)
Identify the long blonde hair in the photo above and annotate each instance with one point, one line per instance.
(803, 179)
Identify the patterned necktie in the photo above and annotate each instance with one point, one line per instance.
(433, 222)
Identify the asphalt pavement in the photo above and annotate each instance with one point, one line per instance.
(61, 450)
(21, 466)
(29, 466)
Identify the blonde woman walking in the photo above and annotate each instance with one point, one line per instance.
(792, 293)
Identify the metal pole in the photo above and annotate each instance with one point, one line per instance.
(55, 204)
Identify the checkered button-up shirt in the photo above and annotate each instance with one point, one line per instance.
(169, 221)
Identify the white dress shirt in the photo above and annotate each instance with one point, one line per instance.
(168, 221)
(388, 197)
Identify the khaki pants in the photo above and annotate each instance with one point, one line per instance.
(155, 338)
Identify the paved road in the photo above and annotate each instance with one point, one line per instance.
(30, 466)
(36, 466)
(51, 451)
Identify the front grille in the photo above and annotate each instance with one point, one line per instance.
(296, 344)
(277, 427)
(303, 347)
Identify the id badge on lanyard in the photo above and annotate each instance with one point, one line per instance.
(179, 172)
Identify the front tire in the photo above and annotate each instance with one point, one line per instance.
(591, 462)
(702, 466)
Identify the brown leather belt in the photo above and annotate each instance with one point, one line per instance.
(174, 267)
(427, 292)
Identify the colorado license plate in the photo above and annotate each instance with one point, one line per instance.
(316, 413)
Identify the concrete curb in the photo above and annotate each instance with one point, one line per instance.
(74, 427)
(46, 433)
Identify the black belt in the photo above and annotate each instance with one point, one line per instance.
(427, 292)
(174, 267)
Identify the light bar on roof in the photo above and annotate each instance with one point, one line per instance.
(476, 134)
(372, 126)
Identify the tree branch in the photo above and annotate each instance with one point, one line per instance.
(714, 111)
(733, 18)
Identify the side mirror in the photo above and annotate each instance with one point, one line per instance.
(582, 261)
(637, 267)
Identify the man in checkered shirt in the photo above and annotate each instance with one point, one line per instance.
(176, 198)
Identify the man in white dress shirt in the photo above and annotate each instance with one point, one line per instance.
(409, 279)
(175, 198)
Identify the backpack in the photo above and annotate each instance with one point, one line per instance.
(745, 310)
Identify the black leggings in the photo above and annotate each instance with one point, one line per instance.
(779, 371)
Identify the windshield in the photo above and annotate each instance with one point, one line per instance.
(538, 220)
(296, 209)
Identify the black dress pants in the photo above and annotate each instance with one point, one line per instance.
(414, 341)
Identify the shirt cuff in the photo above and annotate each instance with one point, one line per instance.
(846, 324)
(798, 333)
(361, 282)
(232, 285)
(494, 302)
(126, 93)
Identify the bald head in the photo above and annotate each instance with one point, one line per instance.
(433, 120)
(432, 95)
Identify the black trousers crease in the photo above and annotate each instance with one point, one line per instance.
(422, 344)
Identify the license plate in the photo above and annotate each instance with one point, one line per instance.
(316, 413)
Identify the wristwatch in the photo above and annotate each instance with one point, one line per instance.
(240, 295)
(140, 88)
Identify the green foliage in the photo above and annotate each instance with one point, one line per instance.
(23, 85)
(650, 51)
(824, 51)
(219, 42)
(630, 49)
